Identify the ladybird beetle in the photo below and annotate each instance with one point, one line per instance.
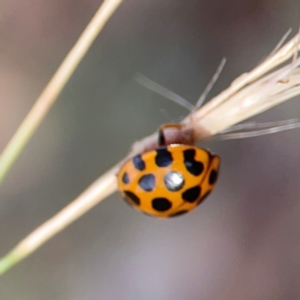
(170, 180)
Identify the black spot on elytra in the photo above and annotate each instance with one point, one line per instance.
(131, 196)
(179, 213)
(213, 176)
(147, 182)
(191, 195)
(193, 166)
(161, 204)
(163, 157)
(138, 162)
(203, 197)
(173, 181)
(125, 178)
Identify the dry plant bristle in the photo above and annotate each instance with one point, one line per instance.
(250, 94)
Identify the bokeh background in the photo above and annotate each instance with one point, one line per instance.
(242, 243)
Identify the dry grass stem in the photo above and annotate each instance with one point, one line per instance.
(279, 57)
(250, 100)
(101, 188)
(55, 86)
(248, 95)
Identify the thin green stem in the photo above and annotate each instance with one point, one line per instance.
(10, 260)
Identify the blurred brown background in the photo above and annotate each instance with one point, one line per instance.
(242, 243)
